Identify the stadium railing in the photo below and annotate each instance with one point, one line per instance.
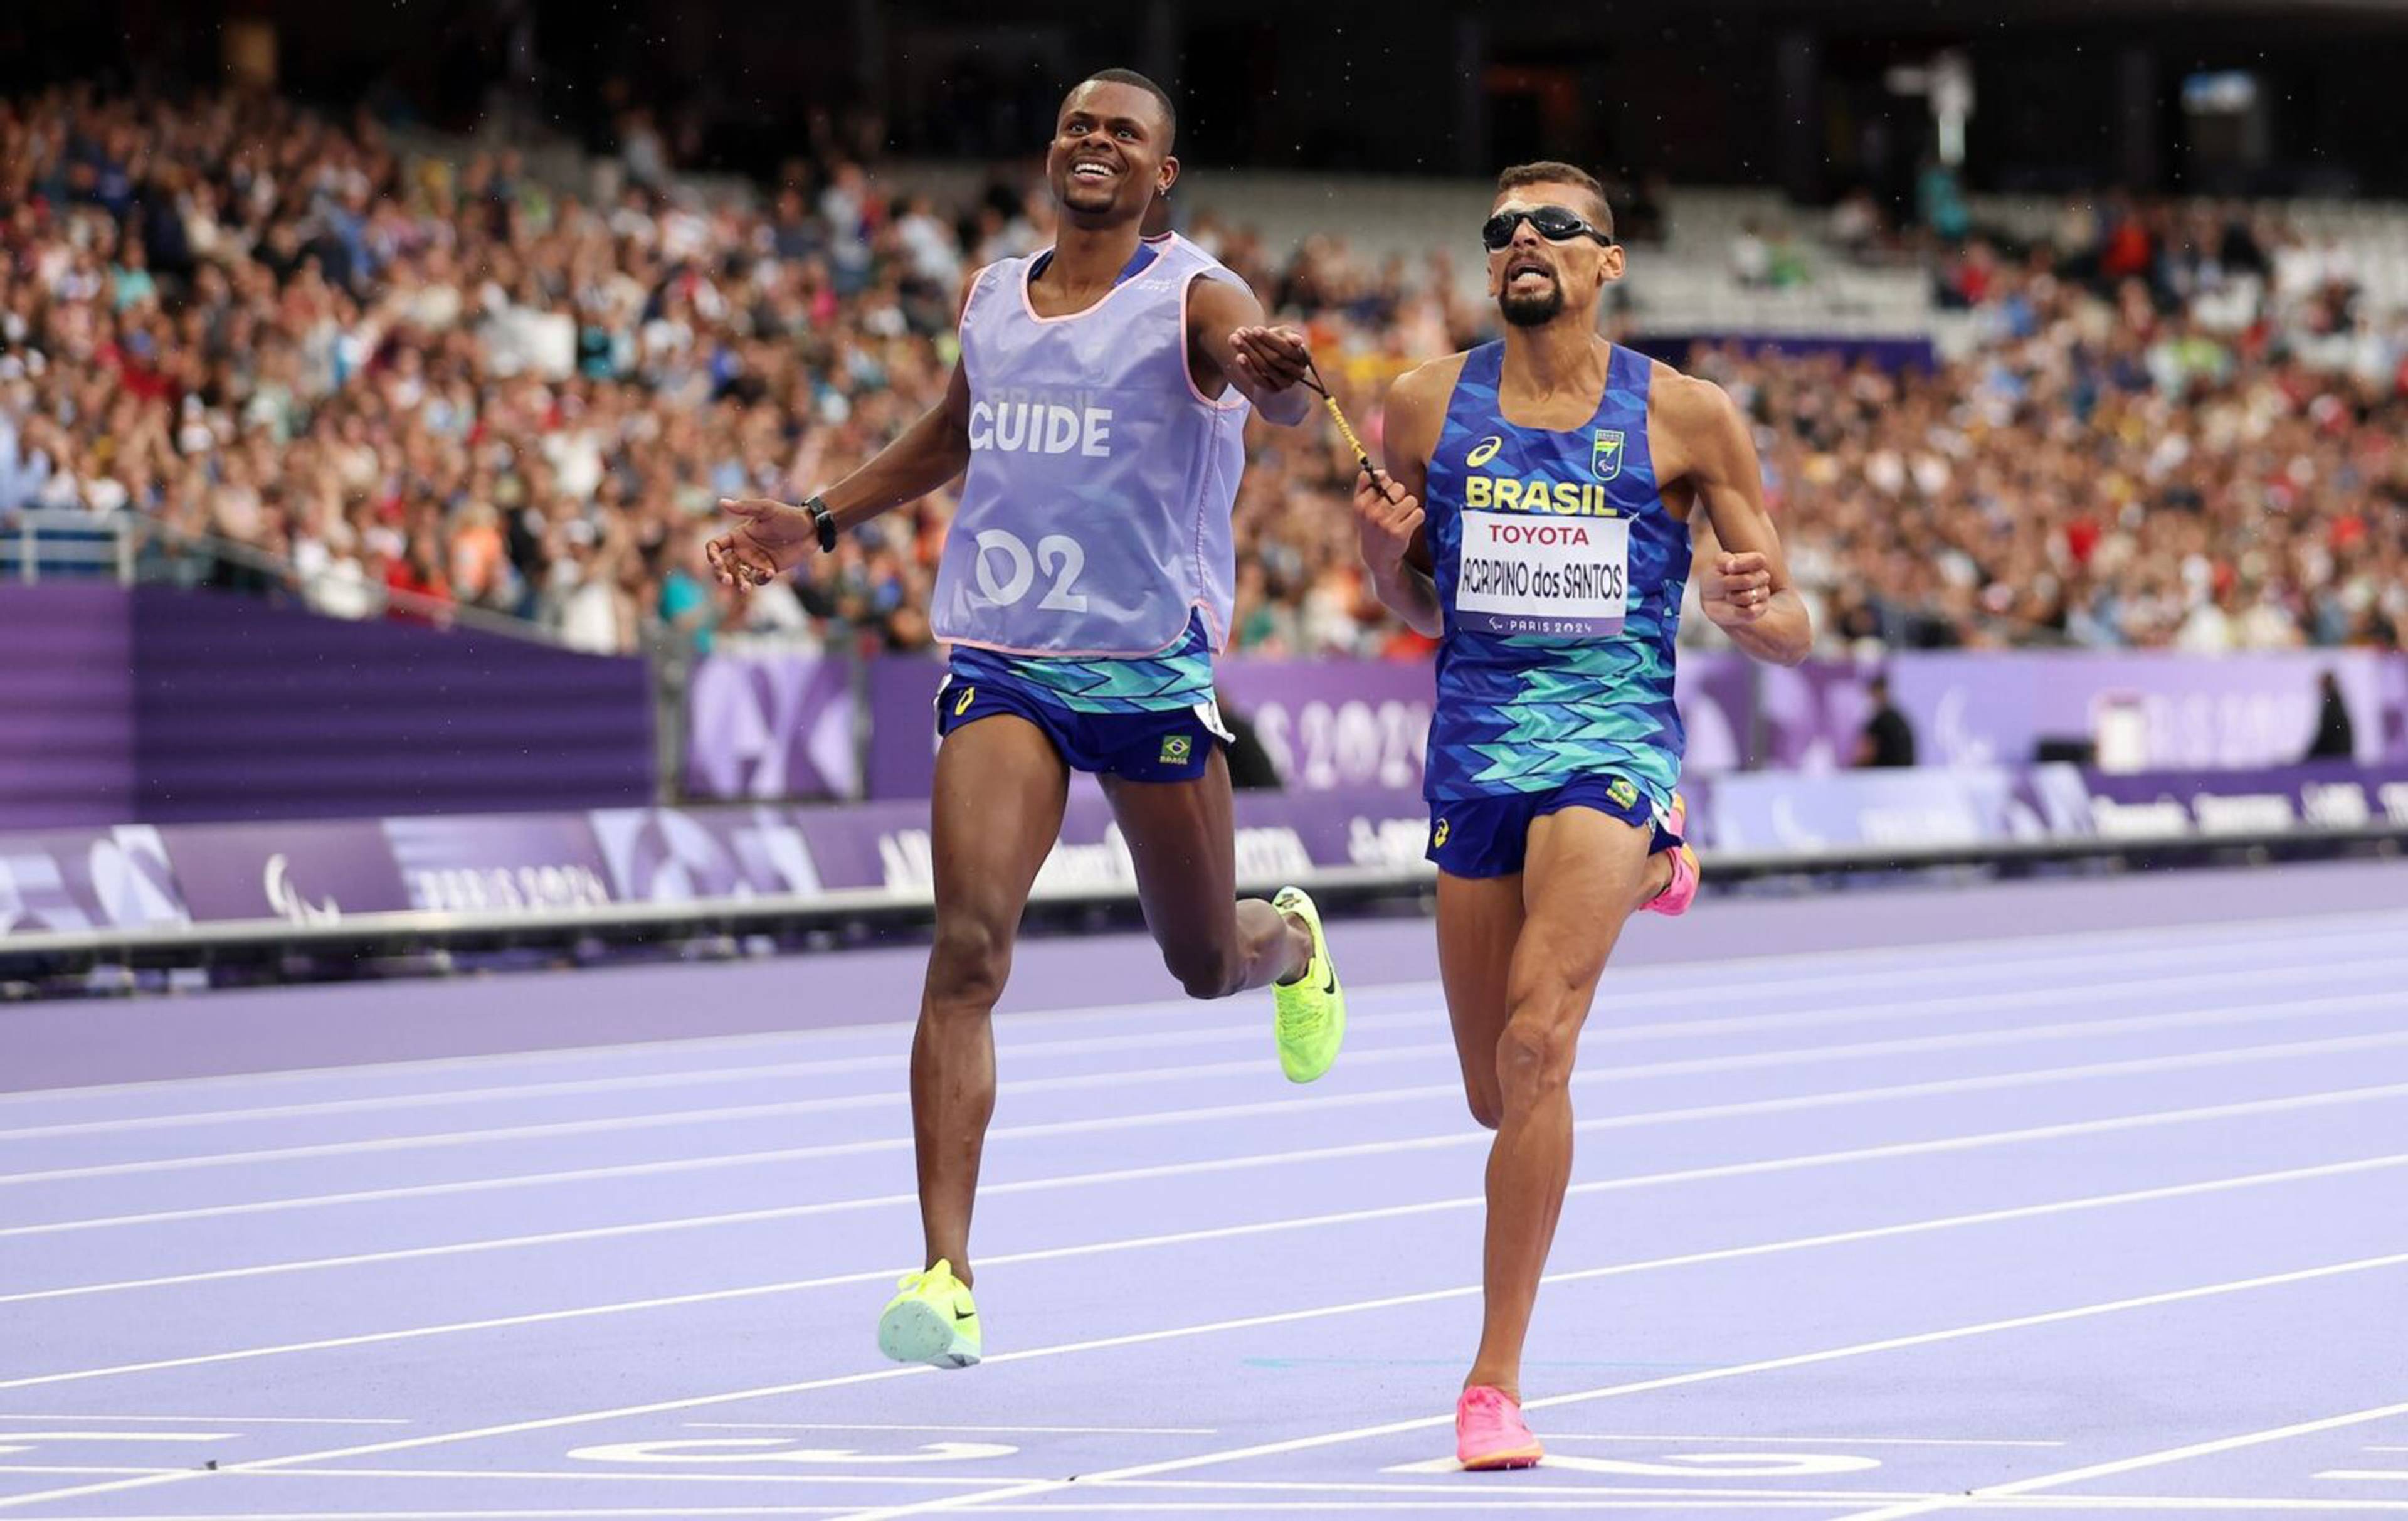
(66, 544)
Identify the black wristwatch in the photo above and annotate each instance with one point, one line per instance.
(825, 521)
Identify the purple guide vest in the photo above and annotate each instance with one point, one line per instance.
(1094, 517)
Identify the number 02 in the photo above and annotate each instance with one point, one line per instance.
(1059, 555)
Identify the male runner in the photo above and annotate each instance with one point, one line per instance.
(1084, 586)
(1565, 478)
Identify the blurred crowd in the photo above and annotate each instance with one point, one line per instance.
(400, 385)
(2164, 425)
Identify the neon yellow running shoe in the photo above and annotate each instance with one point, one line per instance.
(932, 1321)
(1311, 1012)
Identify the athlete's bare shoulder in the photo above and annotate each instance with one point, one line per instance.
(1688, 403)
(1693, 425)
(1416, 409)
(1421, 394)
(1431, 381)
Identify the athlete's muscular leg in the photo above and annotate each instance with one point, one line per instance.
(1479, 920)
(1182, 839)
(997, 811)
(1584, 875)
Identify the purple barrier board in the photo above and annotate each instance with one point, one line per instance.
(82, 879)
(759, 725)
(1771, 812)
(781, 728)
(169, 706)
(1332, 723)
(317, 870)
(2392, 701)
(245, 710)
(307, 871)
(66, 705)
(1279, 836)
(1326, 724)
(305, 874)
(1809, 714)
(899, 702)
(2193, 713)
(772, 727)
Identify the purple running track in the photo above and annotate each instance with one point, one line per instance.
(2091, 1198)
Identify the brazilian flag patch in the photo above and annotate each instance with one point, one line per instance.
(1176, 748)
(1622, 793)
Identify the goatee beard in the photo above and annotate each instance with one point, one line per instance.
(1532, 310)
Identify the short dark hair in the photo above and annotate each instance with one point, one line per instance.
(1549, 172)
(1133, 79)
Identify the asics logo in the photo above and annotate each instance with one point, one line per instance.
(1484, 451)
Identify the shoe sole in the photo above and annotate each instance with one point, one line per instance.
(1520, 1458)
(915, 1332)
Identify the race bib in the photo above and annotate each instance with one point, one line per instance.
(1520, 574)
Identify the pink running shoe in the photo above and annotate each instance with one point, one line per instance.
(1489, 1433)
(1675, 898)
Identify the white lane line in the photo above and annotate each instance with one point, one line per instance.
(893, 1034)
(1298, 1315)
(1253, 1110)
(882, 1061)
(1258, 1109)
(1740, 1061)
(2364, 1474)
(207, 1420)
(2058, 1130)
(1168, 1507)
(1250, 1067)
(9, 1438)
(547, 1513)
(1456, 1485)
(1832, 1441)
(1722, 1502)
(1602, 1499)
(591, 1475)
(1766, 1365)
(2127, 1465)
(617, 1475)
(2029, 1212)
(1452, 1484)
(1232, 1498)
(1794, 1016)
(876, 1426)
(2282, 933)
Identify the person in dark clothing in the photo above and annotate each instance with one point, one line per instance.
(1250, 764)
(1889, 738)
(2336, 736)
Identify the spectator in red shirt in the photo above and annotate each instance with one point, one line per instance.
(421, 595)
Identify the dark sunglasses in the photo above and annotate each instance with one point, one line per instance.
(1554, 223)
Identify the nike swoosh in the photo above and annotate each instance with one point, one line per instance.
(966, 1314)
(1328, 980)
